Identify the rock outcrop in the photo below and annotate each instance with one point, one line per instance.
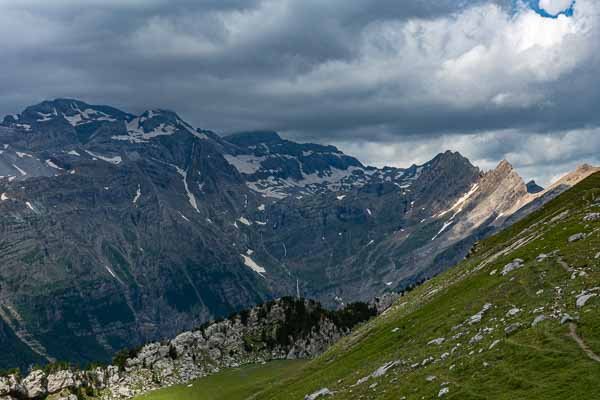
(282, 329)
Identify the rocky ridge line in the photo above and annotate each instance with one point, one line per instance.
(282, 329)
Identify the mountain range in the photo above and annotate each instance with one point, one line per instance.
(117, 229)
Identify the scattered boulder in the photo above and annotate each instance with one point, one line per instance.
(443, 392)
(476, 339)
(577, 237)
(566, 318)
(512, 328)
(379, 372)
(560, 217)
(475, 319)
(427, 361)
(516, 264)
(541, 257)
(512, 312)
(318, 394)
(593, 217)
(437, 341)
(583, 298)
(538, 320)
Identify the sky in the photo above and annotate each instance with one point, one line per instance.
(390, 82)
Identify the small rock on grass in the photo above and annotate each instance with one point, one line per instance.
(538, 320)
(318, 394)
(577, 237)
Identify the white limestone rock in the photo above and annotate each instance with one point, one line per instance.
(318, 394)
(60, 380)
(508, 268)
(577, 237)
(35, 384)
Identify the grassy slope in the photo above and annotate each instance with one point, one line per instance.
(235, 384)
(540, 362)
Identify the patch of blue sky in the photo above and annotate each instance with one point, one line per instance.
(535, 5)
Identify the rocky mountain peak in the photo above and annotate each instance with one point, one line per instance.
(533, 187)
(506, 173)
(71, 111)
(253, 138)
(449, 160)
(504, 166)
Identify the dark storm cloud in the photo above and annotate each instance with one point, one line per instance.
(345, 71)
(97, 49)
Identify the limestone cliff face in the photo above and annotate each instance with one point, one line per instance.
(498, 199)
(495, 195)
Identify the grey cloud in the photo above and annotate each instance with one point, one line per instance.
(344, 71)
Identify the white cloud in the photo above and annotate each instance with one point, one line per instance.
(555, 7)
(482, 56)
(539, 156)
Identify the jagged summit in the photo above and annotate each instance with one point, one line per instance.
(533, 187)
(504, 166)
(449, 159)
(251, 138)
(71, 110)
(59, 123)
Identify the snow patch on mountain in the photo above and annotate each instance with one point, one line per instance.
(23, 173)
(332, 179)
(52, 165)
(85, 116)
(190, 195)
(116, 160)
(458, 206)
(250, 263)
(45, 117)
(244, 221)
(245, 164)
(138, 194)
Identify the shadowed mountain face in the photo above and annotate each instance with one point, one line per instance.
(533, 187)
(116, 229)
